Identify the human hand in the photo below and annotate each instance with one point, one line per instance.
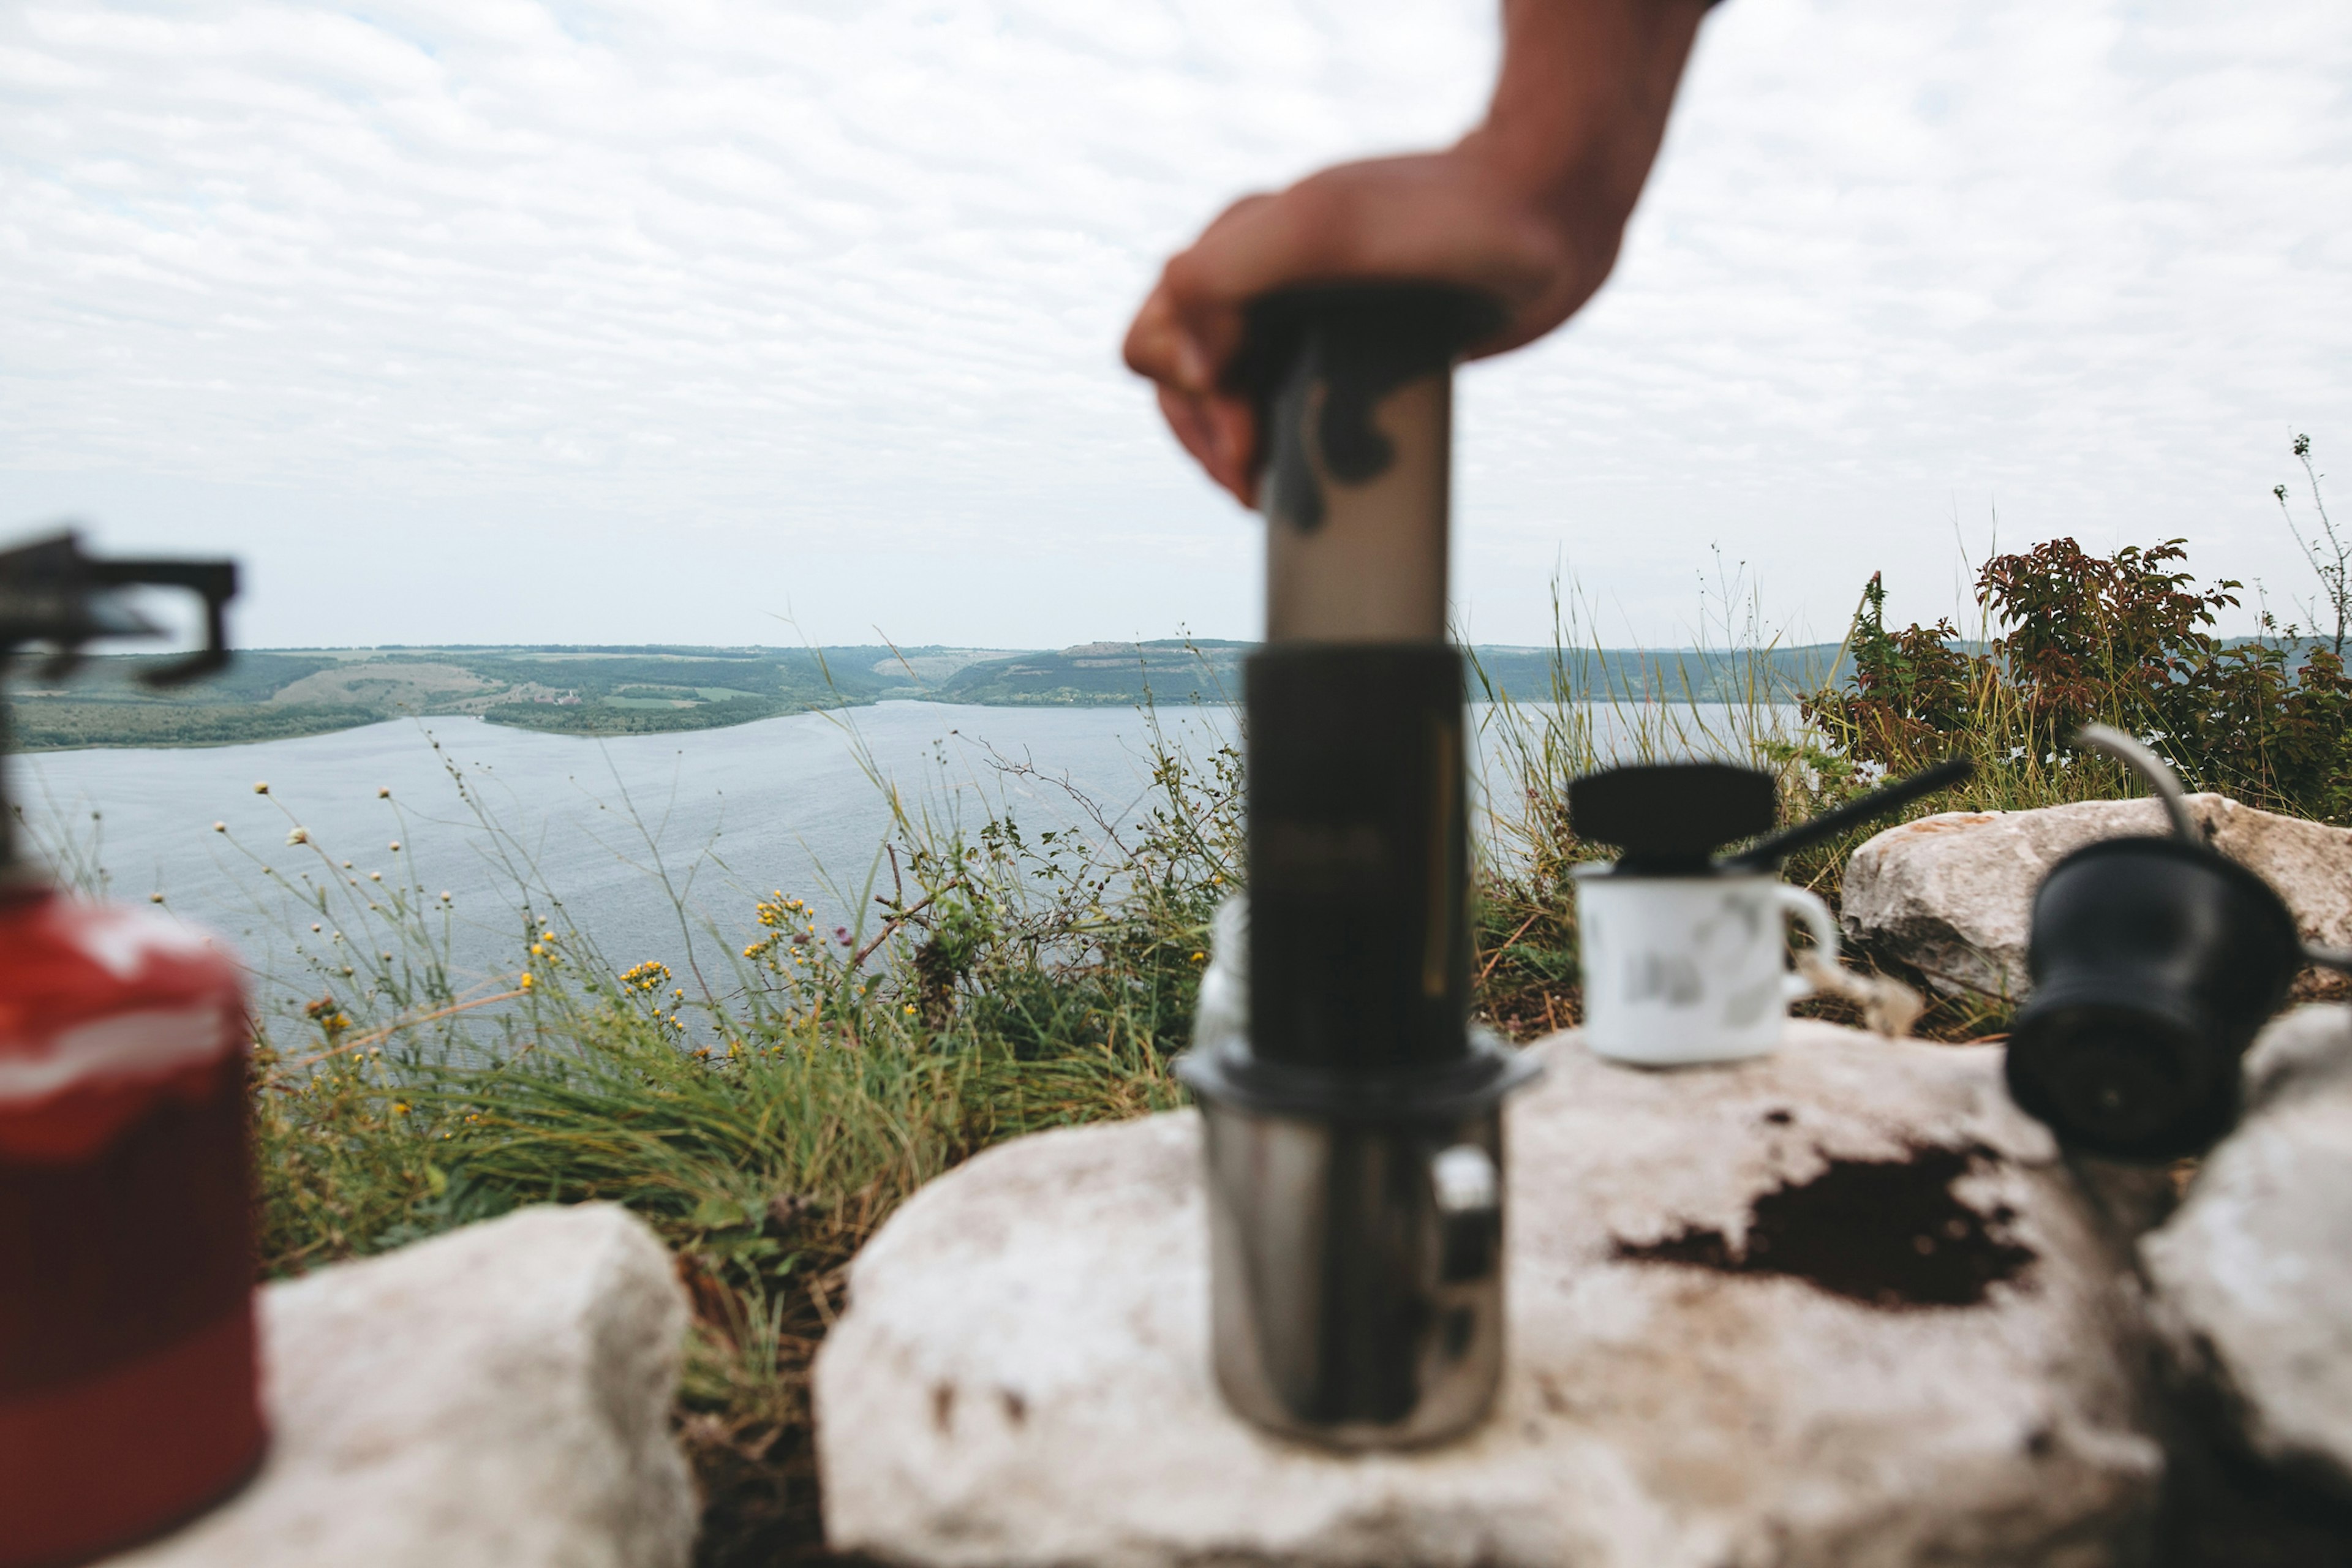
(1529, 208)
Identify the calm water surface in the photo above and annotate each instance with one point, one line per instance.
(797, 803)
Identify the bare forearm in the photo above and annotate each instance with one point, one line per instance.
(1581, 100)
(1579, 72)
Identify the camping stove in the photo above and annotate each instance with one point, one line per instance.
(1353, 1117)
(129, 1376)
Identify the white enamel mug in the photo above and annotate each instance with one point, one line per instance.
(1691, 969)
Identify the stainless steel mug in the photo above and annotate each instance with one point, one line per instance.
(1356, 1270)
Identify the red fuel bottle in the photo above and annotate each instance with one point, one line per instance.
(126, 1372)
(128, 1378)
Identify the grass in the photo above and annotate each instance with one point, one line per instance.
(764, 1121)
(763, 1169)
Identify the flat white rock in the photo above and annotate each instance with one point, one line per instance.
(2252, 1276)
(1952, 895)
(1023, 1378)
(496, 1397)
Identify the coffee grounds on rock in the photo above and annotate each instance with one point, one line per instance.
(1890, 1234)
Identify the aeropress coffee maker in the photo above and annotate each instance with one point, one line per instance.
(1353, 1117)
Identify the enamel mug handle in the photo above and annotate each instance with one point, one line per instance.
(1818, 920)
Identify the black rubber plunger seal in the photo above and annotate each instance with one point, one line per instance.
(1359, 343)
(1669, 817)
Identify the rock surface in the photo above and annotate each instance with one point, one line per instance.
(1951, 895)
(498, 1397)
(1835, 1306)
(2252, 1276)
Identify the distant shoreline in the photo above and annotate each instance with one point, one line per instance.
(589, 690)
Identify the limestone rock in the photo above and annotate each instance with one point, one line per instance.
(1951, 895)
(2252, 1275)
(1835, 1306)
(498, 1397)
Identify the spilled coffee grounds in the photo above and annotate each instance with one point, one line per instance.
(1887, 1233)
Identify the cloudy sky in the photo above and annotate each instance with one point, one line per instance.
(493, 320)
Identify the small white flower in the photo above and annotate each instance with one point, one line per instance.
(299, 836)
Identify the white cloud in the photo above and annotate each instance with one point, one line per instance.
(501, 321)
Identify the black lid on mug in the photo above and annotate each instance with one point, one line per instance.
(1671, 817)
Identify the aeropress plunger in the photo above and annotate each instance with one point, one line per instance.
(1353, 1116)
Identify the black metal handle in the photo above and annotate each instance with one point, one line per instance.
(214, 580)
(1770, 852)
(52, 592)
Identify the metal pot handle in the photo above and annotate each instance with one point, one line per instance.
(1469, 1192)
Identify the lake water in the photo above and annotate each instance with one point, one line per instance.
(795, 804)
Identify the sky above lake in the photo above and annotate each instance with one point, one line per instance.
(496, 320)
